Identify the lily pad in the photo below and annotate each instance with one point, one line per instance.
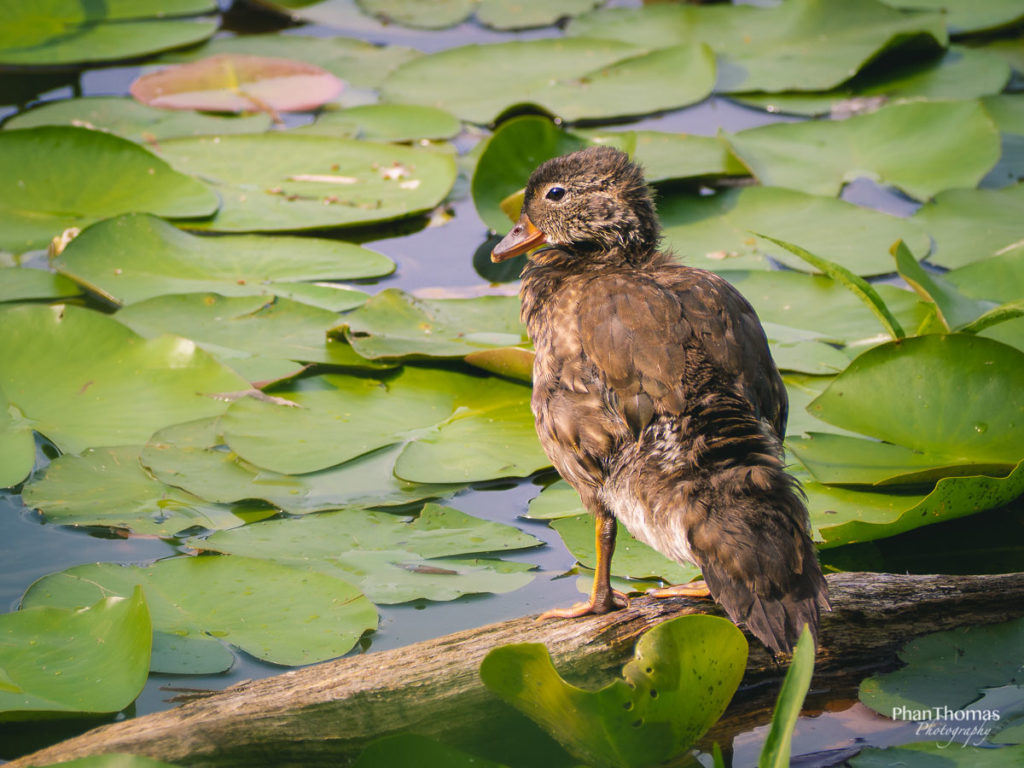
(273, 612)
(100, 176)
(632, 559)
(802, 45)
(392, 558)
(385, 122)
(108, 487)
(954, 310)
(931, 754)
(393, 324)
(969, 225)
(136, 257)
(137, 122)
(963, 16)
(921, 148)
(677, 685)
(557, 500)
(236, 82)
(62, 32)
(999, 278)
(51, 658)
(413, 749)
(287, 181)
(190, 456)
(523, 14)
(719, 232)
(104, 385)
(437, 15)
(572, 78)
(21, 284)
(237, 326)
(17, 445)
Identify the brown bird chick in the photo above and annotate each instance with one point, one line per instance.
(656, 398)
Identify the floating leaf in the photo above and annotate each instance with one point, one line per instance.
(17, 445)
(392, 558)
(21, 284)
(421, 15)
(413, 749)
(632, 560)
(108, 487)
(573, 78)
(921, 148)
(61, 32)
(104, 385)
(557, 500)
(999, 278)
(394, 324)
(953, 309)
(235, 82)
(286, 181)
(928, 754)
(679, 682)
(778, 744)
(385, 122)
(100, 176)
(131, 120)
(802, 45)
(136, 257)
(968, 15)
(510, 362)
(52, 658)
(718, 232)
(273, 612)
(522, 14)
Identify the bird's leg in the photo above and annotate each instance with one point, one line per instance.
(693, 589)
(602, 597)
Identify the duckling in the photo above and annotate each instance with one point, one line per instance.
(655, 396)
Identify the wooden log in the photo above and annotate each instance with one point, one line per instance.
(324, 715)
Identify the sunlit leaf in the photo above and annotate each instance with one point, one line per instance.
(385, 122)
(19, 284)
(679, 682)
(968, 15)
(557, 500)
(17, 445)
(953, 309)
(51, 658)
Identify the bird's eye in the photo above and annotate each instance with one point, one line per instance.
(555, 193)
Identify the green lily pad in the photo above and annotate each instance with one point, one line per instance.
(392, 558)
(572, 78)
(964, 16)
(104, 385)
(523, 14)
(273, 612)
(510, 362)
(921, 148)
(21, 284)
(240, 326)
(115, 760)
(803, 45)
(100, 176)
(108, 487)
(133, 121)
(719, 232)
(999, 278)
(665, 156)
(51, 658)
(287, 181)
(394, 324)
(679, 682)
(632, 559)
(778, 745)
(557, 500)
(189, 456)
(847, 515)
(947, 670)
(933, 754)
(136, 257)
(954, 310)
(420, 15)
(957, 73)
(17, 445)
(385, 122)
(969, 225)
(61, 32)
(413, 749)
(814, 357)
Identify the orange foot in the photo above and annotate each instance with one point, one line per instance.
(693, 589)
(615, 601)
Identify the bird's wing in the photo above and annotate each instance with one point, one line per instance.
(657, 339)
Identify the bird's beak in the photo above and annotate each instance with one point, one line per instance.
(523, 237)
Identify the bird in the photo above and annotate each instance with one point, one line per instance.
(656, 397)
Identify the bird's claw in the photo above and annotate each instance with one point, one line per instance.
(613, 602)
(693, 589)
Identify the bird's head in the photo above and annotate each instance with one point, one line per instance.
(594, 201)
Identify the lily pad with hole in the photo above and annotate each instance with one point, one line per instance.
(51, 658)
(392, 558)
(192, 457)
(100, 175)
(969, 225)
(394, 324)
(104, 385)
(680, 680)
(385, 122)
(287, 181)
(63, 32)
(23, 284)
(802, 45)
(137, 122)
(136, 257)
(571, 78)
(238, 82)
(921, 148)
(108, 487)
(274, 612)
(720, 232)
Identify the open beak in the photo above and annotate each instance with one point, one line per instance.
(523, 237)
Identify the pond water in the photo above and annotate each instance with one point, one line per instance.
(437, 262)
